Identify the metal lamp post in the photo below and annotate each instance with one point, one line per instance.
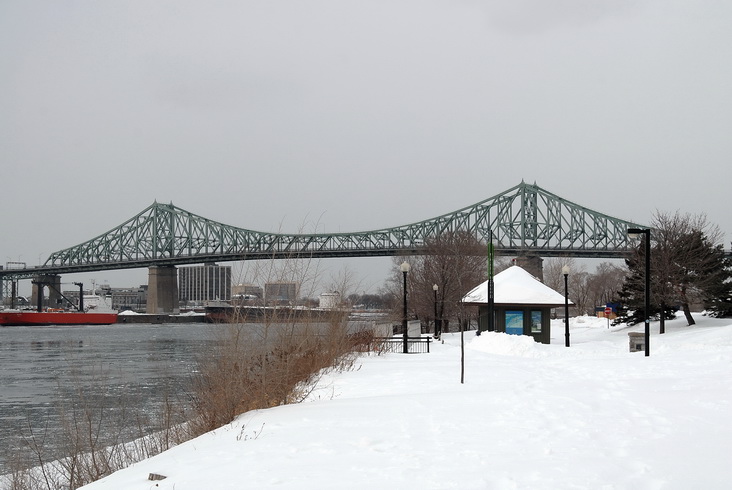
(435, 287)
(491, 289)
(636, 233)
(405, 268)
(565, 271)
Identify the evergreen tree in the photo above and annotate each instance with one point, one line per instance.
(718, 297)
(631, 296)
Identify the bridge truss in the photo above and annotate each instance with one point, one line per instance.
(523, 219)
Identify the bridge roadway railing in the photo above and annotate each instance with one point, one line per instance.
(31, 272)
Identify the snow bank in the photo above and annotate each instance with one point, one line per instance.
(528, 416)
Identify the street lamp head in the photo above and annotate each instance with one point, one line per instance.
(404, 267)
(435, 287)
(637, 232)
(565, 270)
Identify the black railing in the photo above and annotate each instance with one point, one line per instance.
(415, 345)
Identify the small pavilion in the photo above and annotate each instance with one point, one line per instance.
(522, 304)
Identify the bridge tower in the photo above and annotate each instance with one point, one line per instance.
(531, 263)
(53, 281)
(162, 290)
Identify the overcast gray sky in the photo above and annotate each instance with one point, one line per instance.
(355, 115)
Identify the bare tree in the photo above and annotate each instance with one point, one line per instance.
(553, 275)
(577, 281)
(344, 281)
(604, 284)
(586, 289)
(687, 260)
(455, 262)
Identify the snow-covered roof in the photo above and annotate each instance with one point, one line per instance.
(515, 286)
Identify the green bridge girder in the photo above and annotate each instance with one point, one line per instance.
(523, 219)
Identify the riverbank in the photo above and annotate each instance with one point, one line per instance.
(138, 370)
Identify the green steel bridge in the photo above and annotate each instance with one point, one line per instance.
(524, 219)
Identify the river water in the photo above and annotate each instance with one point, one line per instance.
(130, 365)
(121, 367)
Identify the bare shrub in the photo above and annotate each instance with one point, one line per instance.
(273, 351)
(264, 365)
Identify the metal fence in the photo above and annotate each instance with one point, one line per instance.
(415, 345)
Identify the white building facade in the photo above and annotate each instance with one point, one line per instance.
(202, 283)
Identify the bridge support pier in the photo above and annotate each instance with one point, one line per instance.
(53, 282)
(533, 264)
(162, 290)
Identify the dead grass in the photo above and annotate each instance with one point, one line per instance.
(279, 364)
(99, 434)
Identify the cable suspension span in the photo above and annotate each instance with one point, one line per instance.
(523, 219)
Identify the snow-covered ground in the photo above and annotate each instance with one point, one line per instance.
(592, 416)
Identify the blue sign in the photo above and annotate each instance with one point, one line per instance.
(515, 322)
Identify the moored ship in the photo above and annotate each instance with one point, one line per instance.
(98, 311)
(55, 317)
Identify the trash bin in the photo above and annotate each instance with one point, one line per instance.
(637, 341)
